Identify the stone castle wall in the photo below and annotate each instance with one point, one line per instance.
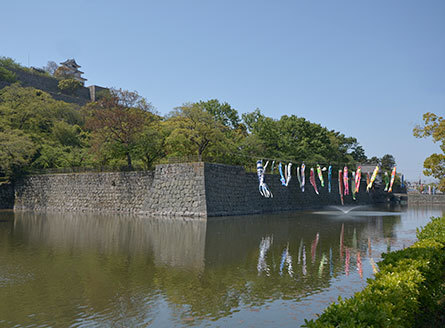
(426, 199)
(190, 190)
(104, 192)
(49, 84)
(178, 190)
(232, 191)
(6, 196)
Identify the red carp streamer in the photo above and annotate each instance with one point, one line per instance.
(340, 186)
(358, 177)
(368, 180)
(393, 177)
(346, 180)
(312, 180)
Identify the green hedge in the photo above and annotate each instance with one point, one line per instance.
(407, 292)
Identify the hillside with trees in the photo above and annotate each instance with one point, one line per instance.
(122, 131)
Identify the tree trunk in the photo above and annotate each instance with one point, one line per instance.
(130, 167)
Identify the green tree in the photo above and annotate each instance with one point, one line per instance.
(296, 138)
(115, 127)
(53, 127)
(388, 162)
(16, 152)
(69, 86)
(358, 153)
(151, 143)
(222, 112)
(374, 160)
(194, 130)
(433, 126)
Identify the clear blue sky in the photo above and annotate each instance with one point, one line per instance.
(369, 69)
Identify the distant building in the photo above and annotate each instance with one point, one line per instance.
(70, 69)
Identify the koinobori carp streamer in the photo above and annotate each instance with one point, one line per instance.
(263, 188)
(320, 175)
(303, 179)
(282, 178)
(298, 176)
(353, 185)
(393, 177)
(329, 178)
(312, 180)
(358, 176)
(346, 180)
(340, 185)
(386, 179)
(374, 175)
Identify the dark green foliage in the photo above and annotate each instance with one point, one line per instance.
(295, 138)
(69, 85)
(7, 76)
(405, 293)
(7, 62)
(388, 161)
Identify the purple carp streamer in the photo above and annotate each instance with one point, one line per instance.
(340, 186)
(263, 188)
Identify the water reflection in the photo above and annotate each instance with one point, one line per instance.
(98, 270)
(177, 243)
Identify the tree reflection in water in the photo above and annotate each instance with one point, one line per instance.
(87, 270)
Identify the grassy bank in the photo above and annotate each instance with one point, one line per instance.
(409, 290)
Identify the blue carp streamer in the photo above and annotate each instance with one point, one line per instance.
(282, 178)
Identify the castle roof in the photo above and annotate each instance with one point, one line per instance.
(70, 62)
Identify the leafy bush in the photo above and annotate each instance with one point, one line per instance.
(406, 291)
(434, 230)
(69, 85)
(7, 76)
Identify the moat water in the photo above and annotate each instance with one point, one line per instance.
(84, 270)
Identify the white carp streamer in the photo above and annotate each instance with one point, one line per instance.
(263, 188)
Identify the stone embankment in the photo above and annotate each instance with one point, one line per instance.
(189, 190)
(415, 198)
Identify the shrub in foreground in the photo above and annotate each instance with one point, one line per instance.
(406, 291)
